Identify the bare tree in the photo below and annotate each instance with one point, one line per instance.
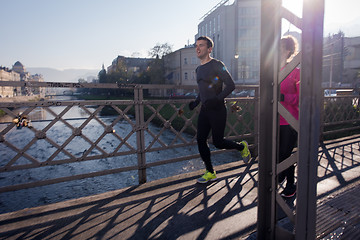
(160, 50)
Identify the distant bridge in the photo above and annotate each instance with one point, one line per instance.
(64, 93)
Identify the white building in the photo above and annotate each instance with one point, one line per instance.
(352, 60)
(18, 73)
(9, 75)
(234, 27)
(180, 66)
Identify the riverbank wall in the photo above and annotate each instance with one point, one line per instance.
(21, 98)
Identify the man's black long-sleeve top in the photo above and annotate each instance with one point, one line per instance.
(210, 79)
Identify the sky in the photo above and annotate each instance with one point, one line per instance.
(85, 34)
(341, 15)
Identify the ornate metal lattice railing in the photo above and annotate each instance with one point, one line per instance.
(40, 135)
(127, 133)
(341, 113)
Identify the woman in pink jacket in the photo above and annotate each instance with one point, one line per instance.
(289, 94)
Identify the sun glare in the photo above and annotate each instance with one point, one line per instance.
(338, 15)
(335, 11)
(294, 6)
(341, 11)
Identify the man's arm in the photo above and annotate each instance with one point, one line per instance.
(228, 81)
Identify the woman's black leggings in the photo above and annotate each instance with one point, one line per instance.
(288, 139)
(214, 120)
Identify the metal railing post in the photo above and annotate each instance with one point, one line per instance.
(308, 125)
(140, 136)
(256, 122)
(267, 154)
(309, 112)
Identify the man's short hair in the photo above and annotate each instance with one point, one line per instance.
(208, 40)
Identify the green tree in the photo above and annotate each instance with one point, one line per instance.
(119, 72)
(156, 71)
(142, 78)
(333, 58)
(102, 75)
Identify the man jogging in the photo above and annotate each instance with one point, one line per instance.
(210, 77)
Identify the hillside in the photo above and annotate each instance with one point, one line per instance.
(67, 75)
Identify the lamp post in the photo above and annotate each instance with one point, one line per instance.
(243, 69)
(236, 75)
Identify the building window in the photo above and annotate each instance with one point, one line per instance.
(218, 22)
(193, 61)
(210, 29)
(214, 25)
(186, 76)
(185, 61)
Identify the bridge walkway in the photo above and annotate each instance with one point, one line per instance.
(179, 208)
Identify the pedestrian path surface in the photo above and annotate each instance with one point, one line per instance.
(179, 208)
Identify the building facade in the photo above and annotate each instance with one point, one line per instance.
(180, 66)
(180, 69)
(235, 30)
(18, 73)
(133, 65)
(352, 61)
(7, 74)
(341, 61)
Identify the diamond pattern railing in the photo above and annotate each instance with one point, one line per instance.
(166, 124)
(41, 135)
(74, 143)
(124, 133)
(341, 115)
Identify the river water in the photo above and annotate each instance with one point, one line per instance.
(26, 198)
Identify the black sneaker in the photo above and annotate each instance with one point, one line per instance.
(289, 191)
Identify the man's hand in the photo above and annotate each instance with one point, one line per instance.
(192, 105)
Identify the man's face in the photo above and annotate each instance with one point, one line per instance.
(201, 49)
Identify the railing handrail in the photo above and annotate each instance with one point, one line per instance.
(139, 126)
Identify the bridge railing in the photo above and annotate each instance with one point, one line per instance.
(111, 136)
(114, 136)
(341, 113)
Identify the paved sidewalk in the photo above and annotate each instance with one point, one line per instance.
(339, 216)
(178, 207)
